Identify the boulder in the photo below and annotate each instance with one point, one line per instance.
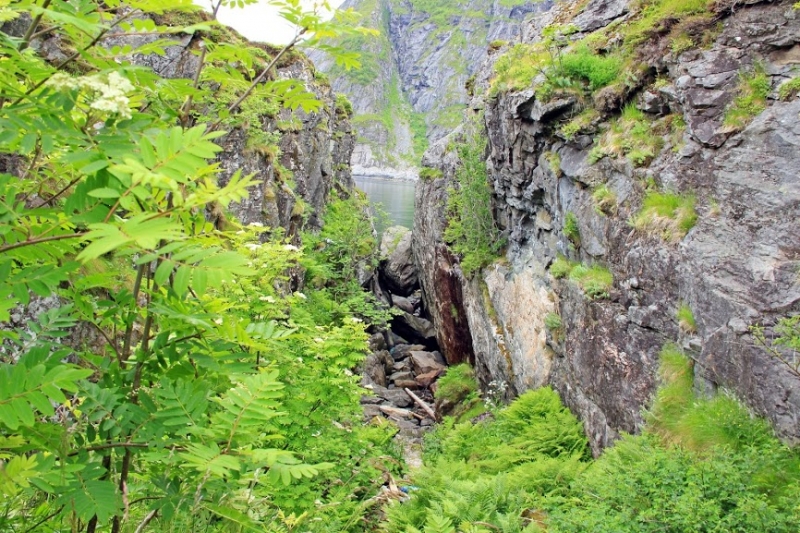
(404, 304)
(401, 375)
(374, 371)
(396, 397)
(416, 329)
(401, 351)
(425, 363)
(377, 342)
(398, 272)
(425, 380)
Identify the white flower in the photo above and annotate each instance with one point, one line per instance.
(252, 246)
(218, 321)
(269, 299)
(348, 372)
(356, 320)
(290, 248)
(300, 295)
(317, 339)
(256, 224)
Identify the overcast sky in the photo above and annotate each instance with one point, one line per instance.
(259, 22)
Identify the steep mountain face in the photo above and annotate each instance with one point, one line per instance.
(411, 88)
(569, 195)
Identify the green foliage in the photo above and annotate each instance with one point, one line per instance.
(699, 465)
(583, 63)
(783, 343)
(482, 476)
(571, 229)
(605, 200)
(553, 322)
(343, 105)
(595, 280)
(471, 231)
(457, 383)
(686, 319)
(581, 123)
(561, 267)
(428, 173)
(206, 398)
(753, 90)
(667, 215)
(554, 160)
(632, 135)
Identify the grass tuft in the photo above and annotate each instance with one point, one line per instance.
(667, 215)
(753, 90)
(686, 319)
(595, 280)
(605, 200)
(789, 89)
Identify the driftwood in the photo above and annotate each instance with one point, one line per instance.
(418, 401)
(394, 411)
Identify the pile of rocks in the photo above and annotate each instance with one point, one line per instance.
(395, 375)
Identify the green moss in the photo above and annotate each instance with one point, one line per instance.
(595, 280)
(752, 93)
(343, 105)
(667, 215)
(581, 123)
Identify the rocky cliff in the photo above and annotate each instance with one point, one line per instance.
(412, 86)
(701, 116)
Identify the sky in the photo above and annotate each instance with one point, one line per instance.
(259, 22)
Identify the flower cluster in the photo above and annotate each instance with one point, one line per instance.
(108, 90)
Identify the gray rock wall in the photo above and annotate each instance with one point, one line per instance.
(736, 268)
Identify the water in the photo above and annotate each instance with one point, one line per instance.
(394, 197)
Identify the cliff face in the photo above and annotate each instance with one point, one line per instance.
(314, 148)
(737, 267)
(411, 87)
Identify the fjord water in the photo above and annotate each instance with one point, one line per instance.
(393, 196)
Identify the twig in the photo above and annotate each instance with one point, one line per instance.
(31, 242)
(26, 39)
(259, 78)
(147, 519)
(43, 520)
(418, 401)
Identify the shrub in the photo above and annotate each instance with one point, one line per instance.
(471, 231)
(571, 229)
(668, 215)
(686, 319)
(595, 280)
(753, 90)
(343, 105)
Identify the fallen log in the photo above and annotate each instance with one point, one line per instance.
(418, 401)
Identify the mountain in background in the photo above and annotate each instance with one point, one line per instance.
(411, 88)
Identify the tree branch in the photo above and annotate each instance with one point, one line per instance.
(26, 39)
(259, 78)
(31, 242)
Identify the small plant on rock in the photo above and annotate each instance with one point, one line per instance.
(595, 281)
(561, 267)
(668, 215)
(753, 90)
(789, 89)
(686, 319)
(632, 135)
(571, 229)
(605, 200)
